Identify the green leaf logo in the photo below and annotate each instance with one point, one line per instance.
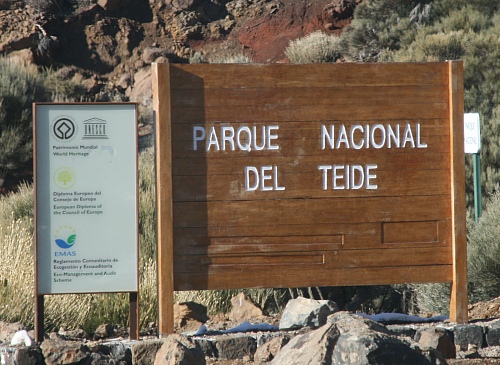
(71, 239)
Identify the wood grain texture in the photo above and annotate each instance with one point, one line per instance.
(458, 298)
(279, 217)
(164, 210)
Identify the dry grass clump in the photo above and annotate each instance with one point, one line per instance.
(315, 47)
(71, 311)
(16, 269)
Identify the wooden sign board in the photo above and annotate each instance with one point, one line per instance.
(309, 175)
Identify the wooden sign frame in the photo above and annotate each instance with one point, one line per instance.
(309, 175)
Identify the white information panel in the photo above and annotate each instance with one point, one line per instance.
(472, 133)
(86, 198)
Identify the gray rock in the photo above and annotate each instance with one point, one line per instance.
(493, 334)
(351, 339)
(120, 351)
(269, 350)
(179, 350)
(244, 309)
(104, 330)
(189, 316)
(142, 90)
(315, 347)
(490, 352)
(151, 54)
(232, 347)
(206, 345)
(302, 312)
(144, 353)
(439, 339)
(468, 335)
(64, 352)
(7, 330)
(403, 330)
(21, 356)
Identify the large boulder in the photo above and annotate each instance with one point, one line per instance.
(189, 316)
(302, 312)
(351, 339)
(244, 308)
(58, 352)
(179, 350)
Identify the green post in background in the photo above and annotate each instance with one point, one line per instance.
(478, 206)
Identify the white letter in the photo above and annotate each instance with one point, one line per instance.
(324, 178)
(247, 178)
(408, 136)
(393, 136)
(361, 177)
(212, 139)
(370, 176)
(272, 136)
(254, 138)
(342, 137)
(353, 129)
(227, 137)
(197, 137)
(264, 177)
(249, 139)
(419, 144)
(372, 135)
(336, 177)
(325, 135)
(276, 187)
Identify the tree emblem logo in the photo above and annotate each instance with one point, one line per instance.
(64, 177)
(65, 237)
(64, 129)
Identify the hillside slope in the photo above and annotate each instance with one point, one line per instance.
(110, 42)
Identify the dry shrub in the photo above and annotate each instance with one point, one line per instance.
(314, 48)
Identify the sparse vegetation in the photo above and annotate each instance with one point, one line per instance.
(71, 311)
(314, 48)
(20, 86)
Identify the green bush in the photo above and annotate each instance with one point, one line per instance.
(467, 30)
(314, 48)
(380, 25)
(20, 86)
(484, 251)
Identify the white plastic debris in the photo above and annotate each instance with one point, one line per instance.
(21, 338)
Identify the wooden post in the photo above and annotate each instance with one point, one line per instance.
(134, 315)
(164, 214)
(39, 317)
(458, 300)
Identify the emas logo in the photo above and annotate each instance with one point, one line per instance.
(65, 238)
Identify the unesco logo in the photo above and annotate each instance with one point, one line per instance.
(64, 129)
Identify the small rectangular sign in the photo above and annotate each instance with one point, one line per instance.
(86, 198)
(472, 133)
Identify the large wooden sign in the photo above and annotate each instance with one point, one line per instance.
(310, 175)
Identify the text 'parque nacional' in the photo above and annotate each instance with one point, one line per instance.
(335, 176)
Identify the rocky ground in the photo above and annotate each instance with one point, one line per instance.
(295, 323)
(107, 46)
